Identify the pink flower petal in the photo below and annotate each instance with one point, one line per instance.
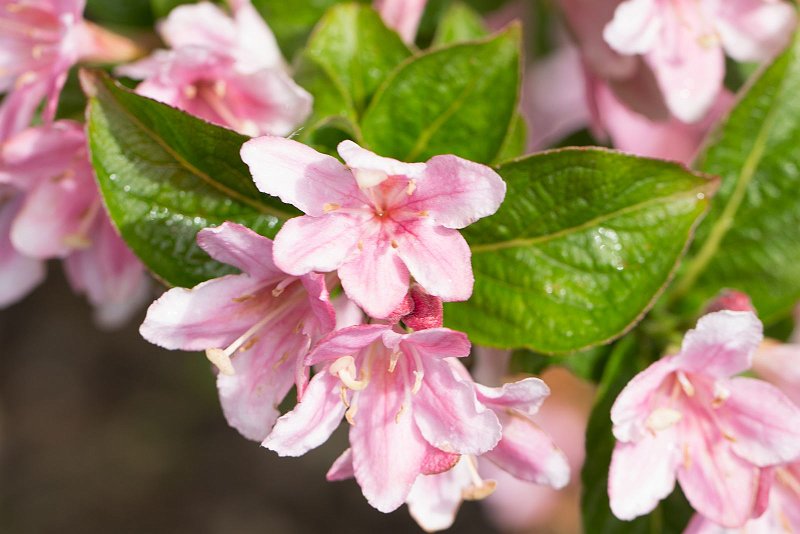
(763, 424)
(437, 461)
(241, 247)
(320, 304)
(344, 342)
(441, 342)
(528, 453)
(403, 16)
(306, 244)
(722, 344)
(300, 175)
(438, 258)
(388, 450)
(635, 28)
(312, 421)
(641, 474)
(342, 467)
(376, 279)
(633, 404)
(525, 396)
(201, 24)
(434, 500)
(456, 192)
(37, 154)
(257, 47)
(448, 414)
(754, 30)
(360, 158)
(18, 274)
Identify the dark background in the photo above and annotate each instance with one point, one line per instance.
(101, 432)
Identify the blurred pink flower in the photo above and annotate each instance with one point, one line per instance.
(403, 16)
(19, 274)
(228, 71)
(376, 220)
(684, 42)
(265, 319)
(61, 216)
(39, 41)
(684, 417)
(408, 412)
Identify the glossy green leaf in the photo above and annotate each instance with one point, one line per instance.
(354, 52)
(750, 240)
(165, 175)
(456, 100)
(584, 242)
(673, 513)
(292, 20)
(459, 23)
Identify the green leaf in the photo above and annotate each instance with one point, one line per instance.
(459, 23)
(516, 142)
(583, 244)
(120, 12)
(350, 53)
(673, 513)
(457, 100)
(165, 175)
(750, 240)
(587, 364)
(292, 21)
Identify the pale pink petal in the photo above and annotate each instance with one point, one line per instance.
(306, 244)
(201, 24)
(641, 474)
(256, 47)
(754, 30)
(763, 424)
(312, 421)
(320, 304)
(633, 404)
(448, 414)
(345, 342)
(360, 158)
(347, 312)
(525, 396)
(441, 342)
(41, 153)
(342, 467)
(211, 315)
(635, 27)
(690, 74)
(403, 16)
(723, 344)
(435, 499)
(455, 192)
(438, 258)
(18, 274)
(376, 278)
(718, 483)
(528, 453)
(388, 450)
(241, 247)
(300, 175)
(701, 525)
(779, 363)
(437, 461)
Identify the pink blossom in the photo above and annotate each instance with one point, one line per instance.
(525, 451)
(409, 413)
(39, 41)
(684, 42)
(256, 327)
(685, 417)
(19, 274)
(226, 70)
(403, 16)
(781, 516)
(377, 221)
(61, 215)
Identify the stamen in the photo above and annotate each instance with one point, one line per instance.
(330, 206)
(220, 88)
(283, 284)
(788, 479)
(190, 91)
(687, 460)
(38, 51)
(480, 488)
(662, 419)
(395, 244)
(243, 298)
(412, 186)
(399, 413)
(393, 358)
(686, 384)
(80, 238)
(345, 369)
(721, 395)
(350, 414)
(25, 78)
(423, 213)
(419, 373)
(280, 362)
(221, 360)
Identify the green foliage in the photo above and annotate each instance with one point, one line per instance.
(583, 244)
(459, 23)
(165, 175)
(750, 239)
(456, 100)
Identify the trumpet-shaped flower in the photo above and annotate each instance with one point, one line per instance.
(376, 220)
(60, 215)
(525, 451)
(408, 412)
(684, 42)
(39, 41)
(256, 327)
(226, 70)
(685, 418)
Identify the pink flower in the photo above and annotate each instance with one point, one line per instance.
(377, 220)
(19, 274)
(39, 41)
(60, 215)
(228, 71)
(409, 413)
(403, 16)
(525, 451)
(781, 516)
(256, 327)
(683, 42)
(684, 417)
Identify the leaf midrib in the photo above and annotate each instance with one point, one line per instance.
(596, 221)
(188, 166)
